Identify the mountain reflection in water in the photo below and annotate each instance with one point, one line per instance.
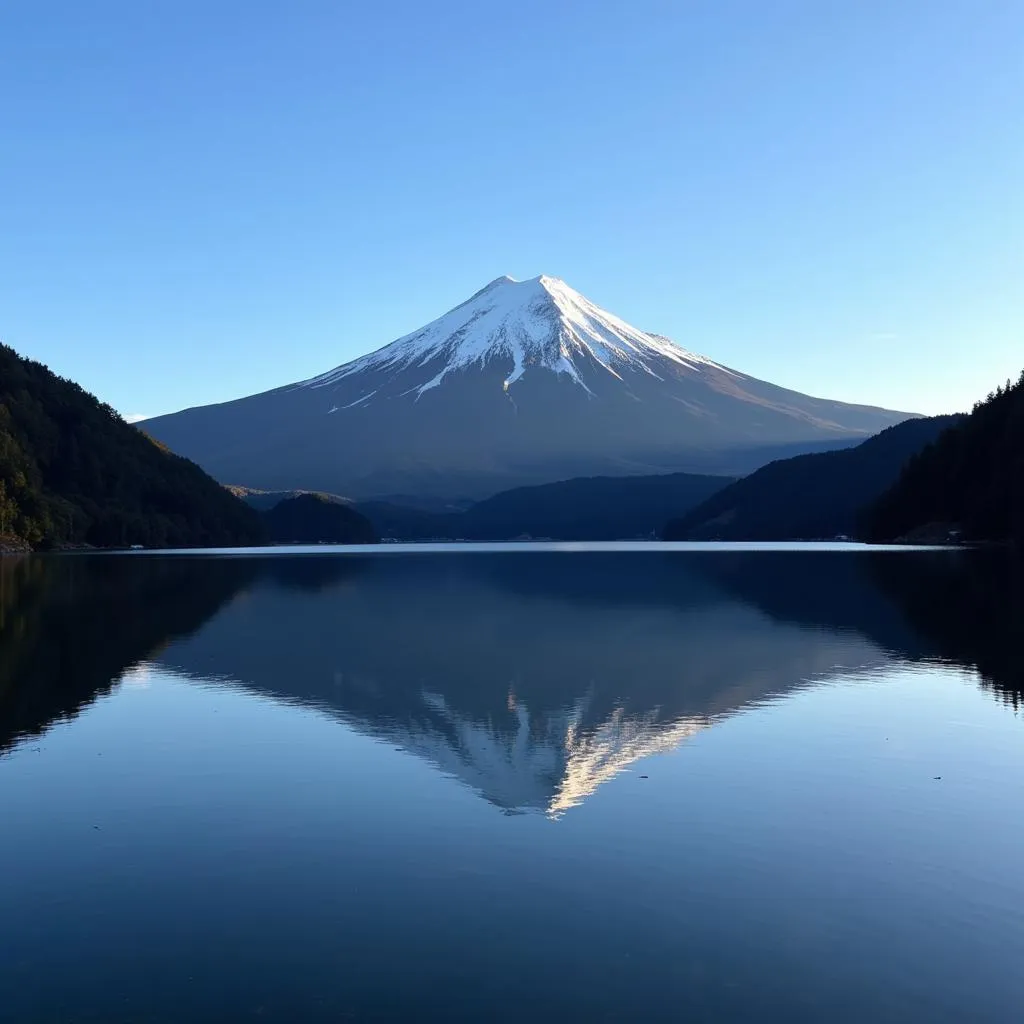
(531, 677)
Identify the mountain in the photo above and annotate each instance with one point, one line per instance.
(72, 471)
(970, 479)
(809, 497)
(526, 382)
(316, 519)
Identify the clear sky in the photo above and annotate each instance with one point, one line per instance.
(200, 200)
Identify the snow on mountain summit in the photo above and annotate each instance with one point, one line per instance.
(538, 323)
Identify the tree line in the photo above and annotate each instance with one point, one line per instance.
(969, 480)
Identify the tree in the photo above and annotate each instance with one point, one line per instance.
(8, 510)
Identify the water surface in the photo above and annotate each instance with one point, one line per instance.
(613, 785)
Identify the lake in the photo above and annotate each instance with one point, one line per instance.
(525, 783)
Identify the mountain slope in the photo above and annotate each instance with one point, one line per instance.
(971, 478)
(72, 471)
(809, 497)
(524, 383)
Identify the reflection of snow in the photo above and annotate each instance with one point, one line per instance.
(137, 677)
(549, 769)
(597, 756)
(535, 727)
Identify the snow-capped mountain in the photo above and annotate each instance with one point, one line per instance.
(524, 382)
(540, 324)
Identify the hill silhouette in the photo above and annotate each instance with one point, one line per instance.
(317, 519)
(970, 479)
(809, 497)
(73, 472)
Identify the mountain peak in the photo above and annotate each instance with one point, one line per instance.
(538, 324)
(509, 279)
(498, 282)
(522, 289)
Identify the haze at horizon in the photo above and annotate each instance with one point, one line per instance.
(205, 203)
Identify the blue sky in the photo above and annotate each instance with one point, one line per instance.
(200, 200)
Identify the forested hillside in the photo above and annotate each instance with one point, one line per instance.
(809, 497)
(969, 480)
(73, 472)
(317, 519)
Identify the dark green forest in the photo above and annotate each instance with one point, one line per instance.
(969, 479)
(808, 497)
(318, 519)
(73, 472)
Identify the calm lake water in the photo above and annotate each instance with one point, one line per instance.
(724, 785)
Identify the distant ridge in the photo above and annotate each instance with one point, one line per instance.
(586, 508)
